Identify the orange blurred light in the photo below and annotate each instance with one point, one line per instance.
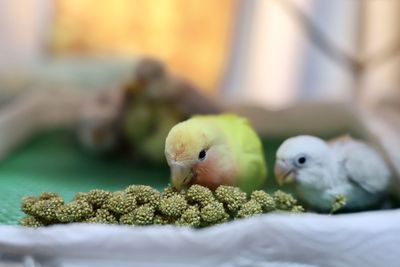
(191, 36)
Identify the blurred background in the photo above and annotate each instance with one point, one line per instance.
(274, 52)
(291, 66)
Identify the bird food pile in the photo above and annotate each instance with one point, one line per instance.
(197, 206)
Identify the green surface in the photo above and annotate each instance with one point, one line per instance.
(54, 162)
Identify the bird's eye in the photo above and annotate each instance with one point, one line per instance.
(202, 155)
(301, 160)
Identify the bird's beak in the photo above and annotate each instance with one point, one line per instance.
(181, 176)
(284, 172)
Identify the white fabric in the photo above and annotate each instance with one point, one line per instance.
(364, 239)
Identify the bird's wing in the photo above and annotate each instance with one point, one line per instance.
(241, 134)
(363, 166)
(246, 149)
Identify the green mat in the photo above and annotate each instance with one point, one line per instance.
(54, 162)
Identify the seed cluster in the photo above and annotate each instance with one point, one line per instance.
(140, 205)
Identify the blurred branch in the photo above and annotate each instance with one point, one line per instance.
(318, 38)
(356, 62)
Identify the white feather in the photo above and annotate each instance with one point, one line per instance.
(342, 166)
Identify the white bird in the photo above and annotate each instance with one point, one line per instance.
(323, 170)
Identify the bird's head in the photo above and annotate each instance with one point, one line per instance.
(189, 145)
(300, 155)
(149, 69)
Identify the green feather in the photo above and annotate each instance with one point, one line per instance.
(245, 148)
